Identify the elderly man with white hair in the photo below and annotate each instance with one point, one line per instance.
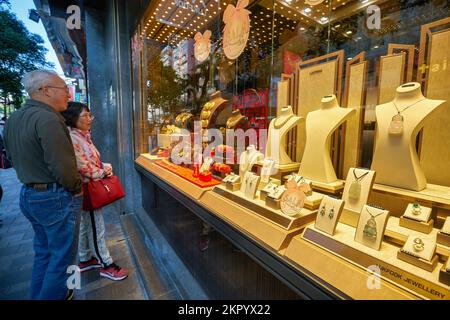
(39, 146)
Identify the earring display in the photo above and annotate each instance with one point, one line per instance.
(422, 247)
(328, 216)
(277, 192)
(250, 184)
(371, 226)
(269, 188)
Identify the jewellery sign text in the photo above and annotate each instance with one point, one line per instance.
(405, 280)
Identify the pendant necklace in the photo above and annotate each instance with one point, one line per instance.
(278, 126)
(396, 125)
(370, 229)
(355, 188)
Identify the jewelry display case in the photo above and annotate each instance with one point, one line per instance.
(330, 169)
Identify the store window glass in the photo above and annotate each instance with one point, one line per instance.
(241, 64)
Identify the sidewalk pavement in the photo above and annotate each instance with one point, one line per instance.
(16, 253)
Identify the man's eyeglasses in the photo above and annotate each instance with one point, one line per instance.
(65, 88)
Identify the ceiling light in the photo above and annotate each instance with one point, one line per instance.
(307, 10)
(349, 32)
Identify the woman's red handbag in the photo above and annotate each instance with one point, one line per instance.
(100, 193)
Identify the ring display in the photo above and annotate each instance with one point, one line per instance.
(416, 209)
(419, 245)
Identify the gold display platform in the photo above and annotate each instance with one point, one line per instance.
(329, 188)
(282, 169)
(396, 200)
(396, 232)
(186, 187)
(148, 156)
(266, 224)
(339, 254)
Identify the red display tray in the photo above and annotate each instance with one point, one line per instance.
(186, 174)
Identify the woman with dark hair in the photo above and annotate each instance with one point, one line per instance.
(92, 249)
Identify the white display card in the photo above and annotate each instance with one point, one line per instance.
(417, 212)
(420, 246)
(446, 227)
(357, 188)
(328, 215)
(371, 226)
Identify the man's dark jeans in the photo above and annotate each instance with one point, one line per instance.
(54, 215)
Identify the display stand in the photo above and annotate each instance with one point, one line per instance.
(273, 203)
(404, 275)
(444, 273)
(189, 189)
(280, 169)
(316, 161)
(233, 186)
(312, 202)
(443, 238)
(213, 108)
(276, 140)
(148, 156)
(397, 199)
(353, 206)
(253, 222)
(424, 227)
(418, 262)
(259, 207)
(398, 124)
(330, 188)
(398, 234)
(165, 139)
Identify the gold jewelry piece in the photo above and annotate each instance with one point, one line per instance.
(419, 245)
(234, 120)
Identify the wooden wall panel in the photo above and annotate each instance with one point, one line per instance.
(353, 131)
(314, 82)
(391, 75)
(435, 147)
